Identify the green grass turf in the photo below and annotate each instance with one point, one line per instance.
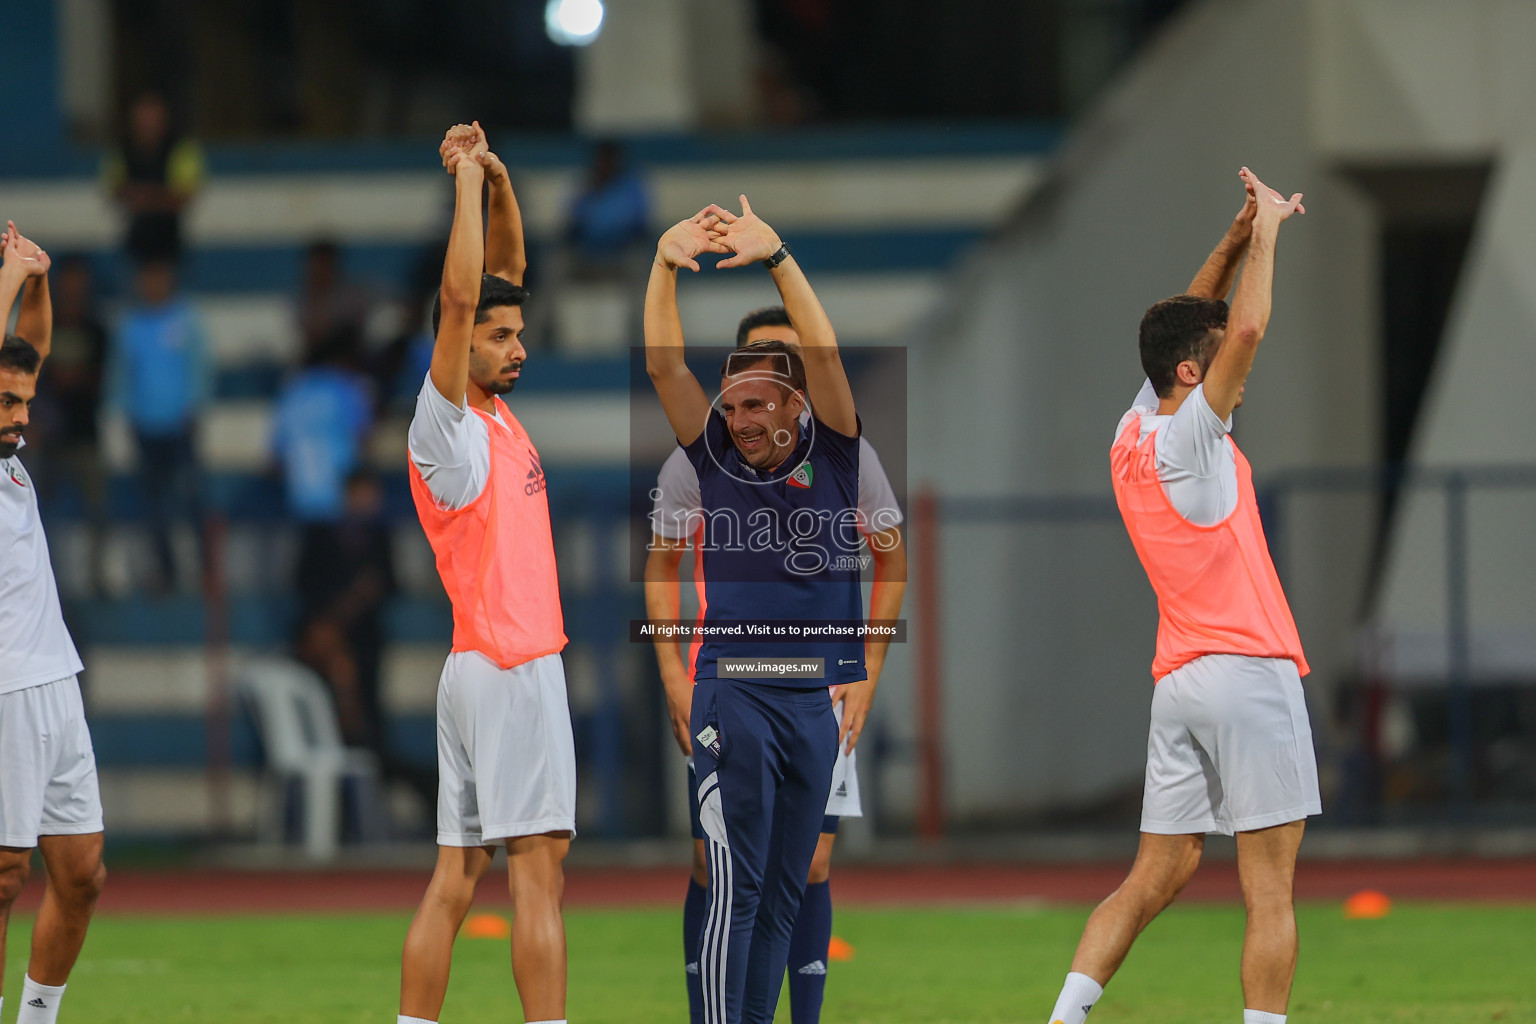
(1445, 964)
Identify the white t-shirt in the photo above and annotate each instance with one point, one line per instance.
(35, 646)
(1195, 461)
(450, 446)
(677, 503)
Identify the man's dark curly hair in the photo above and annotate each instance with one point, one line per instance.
(494, 291)
(1176, 329)
(768, 316)
(18, 354)
(770, 354)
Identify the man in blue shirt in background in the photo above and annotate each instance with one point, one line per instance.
(779, 501)
(607, 229)
(161, 381)
(613, 212)
(320, 425)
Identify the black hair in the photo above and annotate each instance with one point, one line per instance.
(608, 149)
(74, 260)
(172, 121)
(768, 316)
(1176, 329)
(156, 260)
(769, 351)
(494, 291)
(18, 354)
(340, 346)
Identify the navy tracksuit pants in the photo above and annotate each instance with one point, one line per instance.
(763, 787)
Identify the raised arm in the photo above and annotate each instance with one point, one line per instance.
(13, 274)
(505, 253)
(26, 268)
(751, 240)
(1215, 278)
(682, 399)
(1250, 308)
(34, 322)
(462, 269)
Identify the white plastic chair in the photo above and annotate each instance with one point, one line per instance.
(298, 729)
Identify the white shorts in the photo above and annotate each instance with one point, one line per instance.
(1230, 748)
(47, 765)
(843, 802)
(506, 758)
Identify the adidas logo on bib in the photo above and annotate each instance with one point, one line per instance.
(535, 482)
(802, 477)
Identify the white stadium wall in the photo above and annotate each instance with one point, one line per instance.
(1439, 83)
(1476, 413)
(1019, 379)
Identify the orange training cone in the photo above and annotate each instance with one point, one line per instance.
(839, 949)
(487, 926)
(1368, 904)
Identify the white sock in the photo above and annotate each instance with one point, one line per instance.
(1261, 1017)
(39, 1003)
(1077, 997)
(403, 1019)
(561, 1021)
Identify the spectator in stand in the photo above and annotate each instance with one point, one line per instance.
(321, 423)
(331, 306)
(612, 215)
(345, 578)
(153, 177)
(607, 236)
(160, 380)
(403, 362)
(409, 356)
(71, 393)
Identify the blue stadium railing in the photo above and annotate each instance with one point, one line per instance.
(870, 141)
(1455, 487)
(614, 750)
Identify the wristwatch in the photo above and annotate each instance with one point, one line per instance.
(778, 257)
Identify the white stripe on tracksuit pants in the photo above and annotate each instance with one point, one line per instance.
(715, 943)
(762, 798)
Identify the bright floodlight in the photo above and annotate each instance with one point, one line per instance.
(573, 22)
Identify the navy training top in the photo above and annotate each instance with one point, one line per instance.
(781, 545)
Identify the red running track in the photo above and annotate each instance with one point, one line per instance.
(223, 891)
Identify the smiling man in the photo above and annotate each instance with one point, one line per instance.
(779, 502)
(506, 759)
(677, 522)
(49, 796)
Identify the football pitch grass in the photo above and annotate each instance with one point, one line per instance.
(1426, 962)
